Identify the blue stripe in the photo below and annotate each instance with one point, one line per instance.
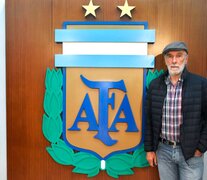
(107, 61)
(103, 23)
(104, 35)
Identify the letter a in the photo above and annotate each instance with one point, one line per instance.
(90, 117)
(129, 119)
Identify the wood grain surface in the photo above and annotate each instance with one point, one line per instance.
(30, 49)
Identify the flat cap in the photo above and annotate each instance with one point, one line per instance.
(175, 46)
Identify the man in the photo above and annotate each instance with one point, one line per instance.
(176, 127)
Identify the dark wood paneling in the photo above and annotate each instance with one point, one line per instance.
(30, 49)
(29, 44)
(184, 20)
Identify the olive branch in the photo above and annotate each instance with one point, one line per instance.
(84, 163)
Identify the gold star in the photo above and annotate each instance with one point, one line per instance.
(126, 9)
(90, 9)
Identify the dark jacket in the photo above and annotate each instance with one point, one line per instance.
(194, 110)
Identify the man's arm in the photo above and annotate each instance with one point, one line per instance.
(148, 136)
(202, 146)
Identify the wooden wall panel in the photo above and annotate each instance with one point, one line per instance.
(30, 49)
(29, 52)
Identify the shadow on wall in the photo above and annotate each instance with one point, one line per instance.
(160, 62)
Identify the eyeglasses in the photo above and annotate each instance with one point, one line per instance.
(179, 56)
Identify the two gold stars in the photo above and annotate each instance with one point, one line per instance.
(126, 9)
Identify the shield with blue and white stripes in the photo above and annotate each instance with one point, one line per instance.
(104, 66)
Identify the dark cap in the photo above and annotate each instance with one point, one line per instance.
(175, 46)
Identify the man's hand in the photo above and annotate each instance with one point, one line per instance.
(151, 158)
(198, 153)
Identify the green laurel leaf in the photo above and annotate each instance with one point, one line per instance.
(86, 161)
(119, 165)
(120, 161)
(139, 157)
(60, 77)
(152, 75)
(53, 81)
(47, 78)
(53, 103)
(52, 128)
(61, 153)
(112, 173)
(90, 173)
(94, 172)
(86, 164)
(115, 174)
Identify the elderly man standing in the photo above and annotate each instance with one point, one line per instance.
(176, 127)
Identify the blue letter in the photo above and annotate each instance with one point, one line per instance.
(90, 117)
(129, 119)
(104, 101)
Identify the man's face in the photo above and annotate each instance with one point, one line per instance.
(176, 61)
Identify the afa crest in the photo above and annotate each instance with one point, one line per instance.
(106, 114)
(94, 103)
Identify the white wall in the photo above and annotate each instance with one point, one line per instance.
(3, 164)
(205, 167)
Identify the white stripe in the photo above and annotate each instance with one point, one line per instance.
(105, 48)
(3, 163)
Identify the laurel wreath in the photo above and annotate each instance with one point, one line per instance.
(84, 163)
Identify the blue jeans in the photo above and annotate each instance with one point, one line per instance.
(172, 165)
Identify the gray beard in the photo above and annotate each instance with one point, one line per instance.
(175, 73)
